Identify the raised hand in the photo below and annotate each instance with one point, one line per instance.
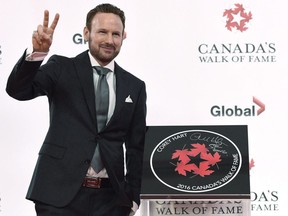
(42, 38)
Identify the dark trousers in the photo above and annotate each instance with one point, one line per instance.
(88, 202)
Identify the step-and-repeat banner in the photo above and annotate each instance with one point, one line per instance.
(204, 62)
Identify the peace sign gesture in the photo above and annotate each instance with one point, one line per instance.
(42, 38)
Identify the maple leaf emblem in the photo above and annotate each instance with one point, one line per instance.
(233, 14)
(182, 155)
(203, 169)
(182, 168)
(251, 164)
(186, 163)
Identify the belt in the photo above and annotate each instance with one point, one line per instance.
(96, 182)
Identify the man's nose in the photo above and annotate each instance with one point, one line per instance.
(109, 38)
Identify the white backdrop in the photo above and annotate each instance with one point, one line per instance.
(166, 41)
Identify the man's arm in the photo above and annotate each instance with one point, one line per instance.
(20, 82)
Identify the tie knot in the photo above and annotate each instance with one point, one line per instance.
(101, 70)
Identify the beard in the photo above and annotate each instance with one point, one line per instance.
(101, 55)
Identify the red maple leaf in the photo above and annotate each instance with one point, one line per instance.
(203, 169)
(242, 28)
(239, 8)
(251, 164)
(182, 155)
(182, 168)
(231, 25)
(247, 16)
(198, 149)
(211, 159)
(228, 13)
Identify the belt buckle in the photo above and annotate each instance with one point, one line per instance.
(93, 182)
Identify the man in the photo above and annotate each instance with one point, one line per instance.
(65, 181)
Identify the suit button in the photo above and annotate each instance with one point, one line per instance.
(87, 161)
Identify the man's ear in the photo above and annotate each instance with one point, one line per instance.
(86, 33)
(124, 35)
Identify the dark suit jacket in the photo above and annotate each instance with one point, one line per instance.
(68, 148)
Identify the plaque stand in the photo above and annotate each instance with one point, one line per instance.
(196, 170)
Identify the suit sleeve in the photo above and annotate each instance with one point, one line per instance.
(29, 79)
(135, 146)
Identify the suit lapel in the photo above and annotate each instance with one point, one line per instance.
(121, 90)
(85, 74)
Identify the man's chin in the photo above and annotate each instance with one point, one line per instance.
(108, 57)
(105, 57)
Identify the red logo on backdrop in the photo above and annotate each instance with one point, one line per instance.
(251, 164)
(237, 18)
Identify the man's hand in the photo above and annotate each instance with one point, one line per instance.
(42, 38)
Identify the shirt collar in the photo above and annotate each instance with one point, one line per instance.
(111, 64)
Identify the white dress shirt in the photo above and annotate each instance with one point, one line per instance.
(112, 100)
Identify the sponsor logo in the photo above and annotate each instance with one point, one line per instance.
(78, 39)
(194, 159)
(237, 111)
(266, 201)
(237, 18)
(237, 53)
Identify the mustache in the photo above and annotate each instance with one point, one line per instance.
(107, 45)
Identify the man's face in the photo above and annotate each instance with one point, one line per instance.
(105, 38)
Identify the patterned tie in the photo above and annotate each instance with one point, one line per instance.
(102, 105)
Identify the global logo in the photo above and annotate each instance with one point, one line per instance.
(78, 39)
(195, 161)
(237, 18)
(236, 111)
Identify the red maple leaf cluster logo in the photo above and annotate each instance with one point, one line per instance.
(239, 24)
(186, 163)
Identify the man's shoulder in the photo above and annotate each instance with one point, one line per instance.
(127, 74)
(62, 58)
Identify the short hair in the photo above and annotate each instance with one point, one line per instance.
(104, 8)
